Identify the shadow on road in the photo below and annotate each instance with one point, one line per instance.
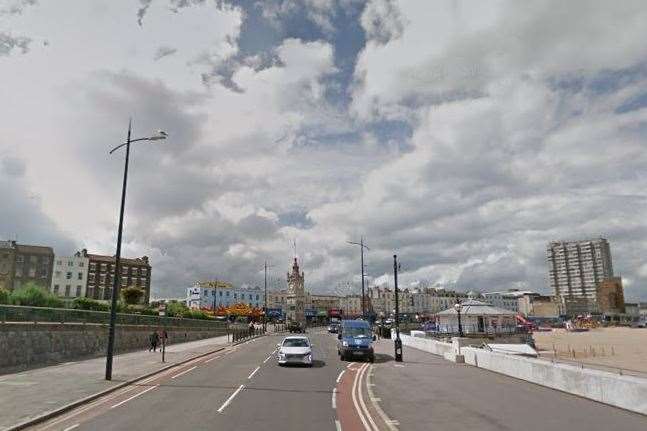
(381, 358)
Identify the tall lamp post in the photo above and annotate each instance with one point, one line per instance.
(265, 305)
(398, 341)
(362, 246)
(458, 307)
(117, 280)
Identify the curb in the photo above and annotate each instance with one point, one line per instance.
(53, 413)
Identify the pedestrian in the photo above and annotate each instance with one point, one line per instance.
(251, 328)
(154, 339)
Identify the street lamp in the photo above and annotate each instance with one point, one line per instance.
(160, 135)
(398, 341)
(361, 247)
(458, 307)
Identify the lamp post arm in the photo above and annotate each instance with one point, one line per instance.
(126, 143)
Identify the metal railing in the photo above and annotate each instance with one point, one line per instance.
(16, 313)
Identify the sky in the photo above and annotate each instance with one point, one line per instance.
(462, 136)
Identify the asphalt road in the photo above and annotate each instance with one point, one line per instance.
(243, 388)
(425, 392)
(240, 388)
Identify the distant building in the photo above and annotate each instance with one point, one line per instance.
(575, 268)
(536, 305)
(70, 276)
(32, 264)
(101, 275)
(351, 306)
(277, 299)
(508, 300)
(632, 309)
(7, 261)
(213, 294)
(425, 301)
(610, 298)
(296, 294)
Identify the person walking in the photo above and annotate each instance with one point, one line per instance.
(251, 328)
(154, 339)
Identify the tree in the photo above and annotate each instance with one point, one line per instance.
(176, 309)
(89, 304)
(4, 296)
(33, 295)
(132, 295)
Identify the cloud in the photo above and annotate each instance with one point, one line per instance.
(9, 44)
(16, 7)
(382, 21)
(164, 51)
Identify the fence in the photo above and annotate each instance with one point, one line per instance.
(16, 313)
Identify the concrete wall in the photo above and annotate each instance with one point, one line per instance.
(28, 345)
(626, 392)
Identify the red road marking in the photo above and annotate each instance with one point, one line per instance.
(346, 413)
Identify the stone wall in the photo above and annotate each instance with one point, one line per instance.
(29, 345)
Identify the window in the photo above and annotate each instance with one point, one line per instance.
(104, 267)
(78, 291)
(213, 293)
(257, 297)
(80, 276)
(59, 262)
(32, 271)
(81, 264)
(20, 258)
(124, 281)
(56, 288)
(67, 290)
(33, 259)
(144, 271)
(124, 270)
(57, 273)
(93, 266)
(227, 293)
(221, 293)
(134, 271)
(91, 278)
(70, 263)
(89, 292)
(68, 276)
(102, 279)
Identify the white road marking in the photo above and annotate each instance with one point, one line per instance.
(253, 372)
(337, 425)
(269, 357)
(183, 372)
(358, 409)
(350, 365)
(72, 427)
(360, 395)
(391, 424)
(229, 400)
(340, 375)
(334, 398)
(135, 396)
(211, 359)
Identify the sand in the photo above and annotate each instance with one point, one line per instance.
(624, 348)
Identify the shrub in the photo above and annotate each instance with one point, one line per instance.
(90, 304)
(4, 296)
(32, 295)
(132, 295)
(196, 314)
(176, 309)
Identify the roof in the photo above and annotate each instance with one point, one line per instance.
(477, 308)
(355, 323)
(35, 249)
(111, 259)
(298, 337)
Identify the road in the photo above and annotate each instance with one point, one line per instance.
(242, 388)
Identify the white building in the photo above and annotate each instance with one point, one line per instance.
(209, 294)
(351, 305)
(70, 276)
(424, 301)
(477, 317)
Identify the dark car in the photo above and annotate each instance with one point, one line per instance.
(333, 328)
(295, 326)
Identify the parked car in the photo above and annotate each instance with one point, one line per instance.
(333, 328)
(295, 349)
(642, 323)
(355, 340)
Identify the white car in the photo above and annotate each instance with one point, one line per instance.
(294, 350)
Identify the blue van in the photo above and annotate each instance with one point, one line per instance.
(355, 340)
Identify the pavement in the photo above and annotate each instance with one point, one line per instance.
(28, 394)
(242, 388)
(426, 392)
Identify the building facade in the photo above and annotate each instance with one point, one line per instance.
(424, 302)
(575, 268)
(536, 305)
(70, 276)
(101, 275)
(610, 298)
(7, 261)
(209, 295)
(296, 294)
(32, 264)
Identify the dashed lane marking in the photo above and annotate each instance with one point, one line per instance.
(183, 372)
(135, 396)
(230, 399)
(253, 372)
(211, 359)
(337, 425)
(72, 427)
(334, 398)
